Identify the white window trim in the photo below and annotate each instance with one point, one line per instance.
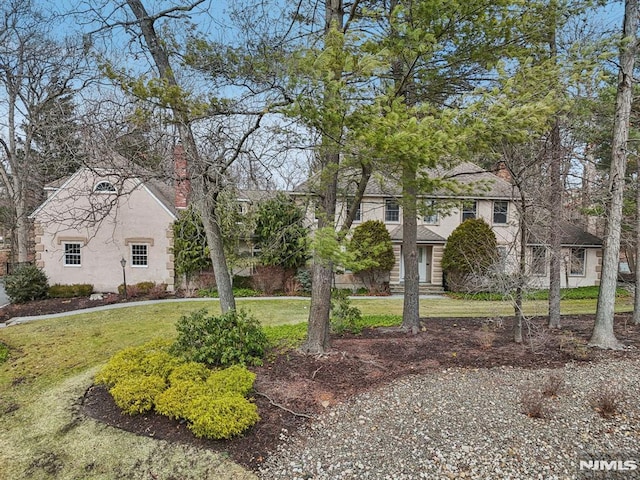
(544, 263)
(475, 211)
(493, 214)
(108, 192)
(131, 246)
(389, 200)
(584, 262)
(64, 255)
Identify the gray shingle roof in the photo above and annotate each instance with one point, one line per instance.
(424, 235)
(571, 236)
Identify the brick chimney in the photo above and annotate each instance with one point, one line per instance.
(182, 182)
(503, 172)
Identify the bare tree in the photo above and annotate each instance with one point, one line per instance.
(603, 335)
(37, 74)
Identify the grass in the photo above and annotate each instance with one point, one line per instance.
(579, 293)
(49, 365)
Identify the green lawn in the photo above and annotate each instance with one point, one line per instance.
(47, 357)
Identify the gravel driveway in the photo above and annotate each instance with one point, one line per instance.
(465, 423)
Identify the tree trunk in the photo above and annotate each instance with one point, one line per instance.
(411, 308)
(322, 271)
(555, 207)
(208, 189)
(522, 270)
(636, 267)
(603, 335)
(555, 216)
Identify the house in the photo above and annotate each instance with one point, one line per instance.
(480, 194)
(94, 219)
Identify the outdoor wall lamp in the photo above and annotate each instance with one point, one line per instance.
(123, 262)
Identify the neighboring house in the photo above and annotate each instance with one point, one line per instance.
(95, 218)
(484, 195)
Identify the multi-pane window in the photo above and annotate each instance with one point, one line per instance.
(539, 260)
(469, 209)
(105, 187)
(139, 255)
(500, 211)
(431, 212)
(358, 214)
(391, 210)
(72, 255)
(577, 261)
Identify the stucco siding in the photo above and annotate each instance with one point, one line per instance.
(106, 226)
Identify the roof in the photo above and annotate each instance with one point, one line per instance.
(570, 236)
(424, 235)
(471, 181)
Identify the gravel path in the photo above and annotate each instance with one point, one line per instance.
(469, 424)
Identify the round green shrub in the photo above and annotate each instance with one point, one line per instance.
(372, 253)
(233, 380)
(470, 251)
(232, 338)
(137, 394)
(26, 284)
(221, 417)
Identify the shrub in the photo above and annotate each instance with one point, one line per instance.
(268, 278)
(69, 291)
(221, 417)
(344, 316)
(175, 401)
(280, 233)
(241, 282)
(533, 404)
(608, 401)
(137, 394)
(372, 252)
(159, 290)
(553, 385)
(232, 338)
(235, 379)
(470, 251)
(26, 284)
(304, 278)
(152, 358)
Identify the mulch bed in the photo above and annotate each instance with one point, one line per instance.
(292, 386)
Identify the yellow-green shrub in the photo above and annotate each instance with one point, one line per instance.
(189, 371)
(152, 358)
(137, 394)
(216, 417)
(235, 379)
(175, 401)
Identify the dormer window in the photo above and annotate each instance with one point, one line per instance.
(104, 187)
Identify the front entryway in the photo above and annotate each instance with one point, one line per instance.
(425, 255)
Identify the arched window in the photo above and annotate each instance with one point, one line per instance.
(104, 187)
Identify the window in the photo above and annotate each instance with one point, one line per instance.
(358, 214)
(539, 260)
(500, 211)
(104, 187)
(431, 212)
(391, 210)
(577, 262)
(72, 256)
(468, 209)
(139, 255)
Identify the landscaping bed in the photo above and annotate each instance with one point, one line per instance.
(292, 388)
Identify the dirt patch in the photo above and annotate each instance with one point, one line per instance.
(291, 387)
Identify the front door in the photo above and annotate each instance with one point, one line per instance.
(424, 264)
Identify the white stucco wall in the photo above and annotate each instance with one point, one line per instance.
(132, 216)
